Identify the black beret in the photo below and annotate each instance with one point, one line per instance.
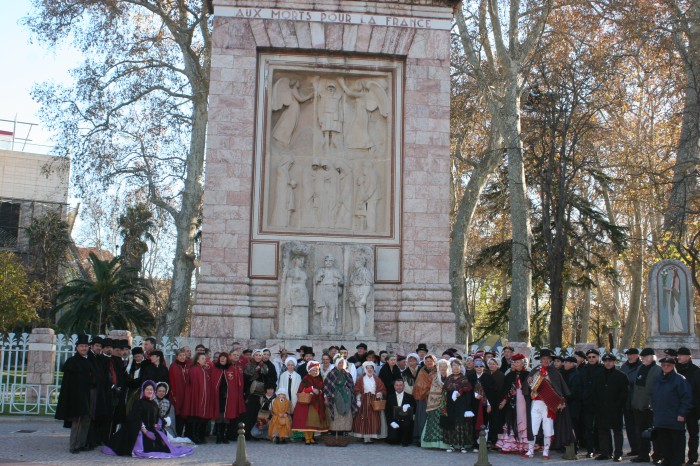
(571, 359)
(647, 352)
(361, 345)
(683, 351)
(671, 352)
(609, 357)
(632, 351)
(667, 360)
(593, 351)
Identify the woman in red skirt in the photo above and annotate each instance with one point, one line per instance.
(368, 423)
(311, 417)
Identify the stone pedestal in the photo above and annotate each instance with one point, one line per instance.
(41, 357)
(329, 127)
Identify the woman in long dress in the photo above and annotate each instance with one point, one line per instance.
(421, 389)
(458, 412)
(432, 432)
(517, 429)
(143, 435)
(228, 395)
(311, 417)
(369, 424)
(338, 389)
(201, 399)
(410, 374)
(179, 379)
(254, 377)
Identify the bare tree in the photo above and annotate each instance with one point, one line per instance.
(137, 112)
(498, 40)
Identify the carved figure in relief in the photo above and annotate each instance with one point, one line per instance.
(286, 94)
(672, 298)
(328, 195)
(343, 206)
(368, 98)
(313, 184)
(284, 196)
(329, 114)
(359, 289)
(328, 287)
(295, 299)
(368, 194)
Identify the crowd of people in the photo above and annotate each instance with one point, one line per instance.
(131, 403)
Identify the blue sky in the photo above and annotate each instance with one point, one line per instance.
(25, 64)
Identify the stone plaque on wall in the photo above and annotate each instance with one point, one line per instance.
(328, 163)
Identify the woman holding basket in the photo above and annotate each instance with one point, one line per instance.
(369, 422)
(310, 411)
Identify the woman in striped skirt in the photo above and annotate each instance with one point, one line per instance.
(368, 423)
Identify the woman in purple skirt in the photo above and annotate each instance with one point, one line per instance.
(142, 436)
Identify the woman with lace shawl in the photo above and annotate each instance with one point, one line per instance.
(421, 388)
(410, 374)
(432, 432)
(517, 429)
(338, 389)
(457, 414)
(143, 436)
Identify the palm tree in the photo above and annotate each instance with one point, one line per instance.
(136, 225)
(116, 298)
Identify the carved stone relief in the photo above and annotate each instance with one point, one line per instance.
(326, 290)
(329, 160)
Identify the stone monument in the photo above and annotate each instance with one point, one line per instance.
(326, 213)
(671, 315)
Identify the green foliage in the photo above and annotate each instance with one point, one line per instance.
(136, 225)
(20, 297)
(116, 298)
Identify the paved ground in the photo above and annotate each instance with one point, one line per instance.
(47, 443)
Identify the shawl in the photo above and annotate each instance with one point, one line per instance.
(435, 394)
(338, 384)
(423, 382)
(163, 406)
(456, 383)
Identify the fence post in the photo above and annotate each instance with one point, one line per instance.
(41, 357)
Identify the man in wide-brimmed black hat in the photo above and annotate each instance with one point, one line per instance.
(74, 398)
(307, 356)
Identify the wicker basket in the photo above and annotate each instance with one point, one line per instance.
(336, 440)
(304, 398)
(378, 405)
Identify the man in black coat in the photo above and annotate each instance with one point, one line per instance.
(691, 372)
(631, 368)
(611, 389)
(74, 401)
(589, 373)
(573, 400)
(400, 407)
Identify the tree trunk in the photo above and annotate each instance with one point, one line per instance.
(458, 238)
(685, 177)
(585, 315)
(187, 221)
(636, 270)
(521, 272)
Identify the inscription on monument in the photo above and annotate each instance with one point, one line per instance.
(329, 151)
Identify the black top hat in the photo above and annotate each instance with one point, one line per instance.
(609, 357)
(683, 351)
(422, 347)
(671, 352)
(82, 340)
(667, 360)
(361, 345)
(545, 353)
(136, 350)
(121, 344)
(108, 342)
(632, 351)
(593, 351)
(96, 339)
(647, 352)
(309, 350)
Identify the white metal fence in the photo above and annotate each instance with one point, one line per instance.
(17, 396)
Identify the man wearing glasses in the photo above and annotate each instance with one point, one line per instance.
(589, 373)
